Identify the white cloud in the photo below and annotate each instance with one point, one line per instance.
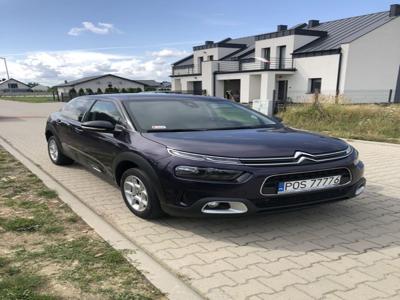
(54, 67)
(101, 28)
(169, 53)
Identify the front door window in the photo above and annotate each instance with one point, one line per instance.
(104, 111)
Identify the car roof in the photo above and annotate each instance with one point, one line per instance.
(151, 96)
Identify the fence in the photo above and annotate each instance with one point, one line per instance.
(26, 94)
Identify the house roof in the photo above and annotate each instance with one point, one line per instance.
(344, 31)
(2, 82)
(330, 36)
(89, 78)
(150, 83)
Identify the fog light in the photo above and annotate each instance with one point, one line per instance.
(359, 190)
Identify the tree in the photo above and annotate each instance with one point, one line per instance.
(123, 90)
(149, 89)
(99, 91)
(72, 93)
(115, 90)
(32, 84)
(131, 90)
(109, 90)
(81, 92)
(89, 91)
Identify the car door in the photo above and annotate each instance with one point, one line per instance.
(102, 147)
(68, 126)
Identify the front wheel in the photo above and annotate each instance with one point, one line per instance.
(139, 194)
(55, 154)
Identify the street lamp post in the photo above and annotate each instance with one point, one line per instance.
(5, 63)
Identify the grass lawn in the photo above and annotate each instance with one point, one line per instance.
(48, 252)
(29, 99)
(365, 122)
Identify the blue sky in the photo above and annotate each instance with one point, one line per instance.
(49, 41)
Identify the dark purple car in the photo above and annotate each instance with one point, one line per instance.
(195, 156)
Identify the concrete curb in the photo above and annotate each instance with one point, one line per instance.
(167, 282)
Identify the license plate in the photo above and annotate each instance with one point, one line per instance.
(308, 184)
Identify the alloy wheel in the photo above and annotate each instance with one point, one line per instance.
(53, 149)
(136, 193)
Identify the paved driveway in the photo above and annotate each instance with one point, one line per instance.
(347, 250)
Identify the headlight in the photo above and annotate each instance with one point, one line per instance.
(356, 159)
(210, 174)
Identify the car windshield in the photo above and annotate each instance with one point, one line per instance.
(193, 115)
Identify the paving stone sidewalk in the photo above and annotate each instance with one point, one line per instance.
(345, 250)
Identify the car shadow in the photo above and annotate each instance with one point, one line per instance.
(352, 225)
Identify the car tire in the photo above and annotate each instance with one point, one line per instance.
(55, 153)
(140, 195)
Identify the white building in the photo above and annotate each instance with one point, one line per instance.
(40, 88)
(12, 85)
(102, 82)
(357, 57)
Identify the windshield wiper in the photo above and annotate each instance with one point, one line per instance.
(244, 127)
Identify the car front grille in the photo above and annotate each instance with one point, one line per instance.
(297, 158)
(270, 185)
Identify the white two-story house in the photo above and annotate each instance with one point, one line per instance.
(357, 58)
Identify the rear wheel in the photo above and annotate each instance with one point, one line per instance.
(55, 153)
(140, 195)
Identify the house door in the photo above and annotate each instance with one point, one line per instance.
(282, 90)
(197, 88)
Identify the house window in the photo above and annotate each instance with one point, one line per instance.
(211, 57)
(282, 57)
(315, 85)
(12, 86)
(266, 53)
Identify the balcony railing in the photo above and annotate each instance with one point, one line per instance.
(186, 70)
(253, 64)
(243, 65)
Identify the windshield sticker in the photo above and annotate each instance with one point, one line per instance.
(158, 127)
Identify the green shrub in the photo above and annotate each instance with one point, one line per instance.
(109, 90)
(72, 93)
(99, 91)
(81, 92)
(123, 90)
(89, 92)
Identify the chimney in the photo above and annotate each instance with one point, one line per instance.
(65, 81)
(281, 27)
(313, 23)
(209, 42)
(394, 10)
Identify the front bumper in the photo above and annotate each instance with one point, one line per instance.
(188, 197)
(284, 203)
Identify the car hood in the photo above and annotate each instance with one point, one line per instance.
(246, 143)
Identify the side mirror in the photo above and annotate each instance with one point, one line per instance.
(101, 126)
